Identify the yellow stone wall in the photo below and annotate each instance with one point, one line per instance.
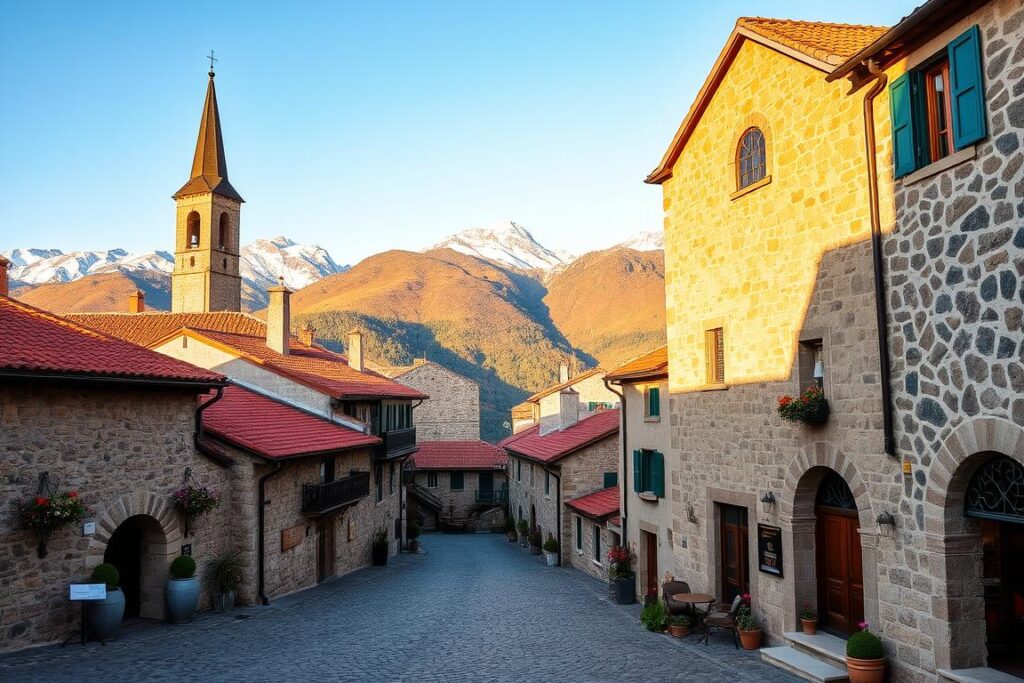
(749, 263)
(206, 278)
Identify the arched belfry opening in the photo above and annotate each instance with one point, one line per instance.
(192, 230)
(224, 231)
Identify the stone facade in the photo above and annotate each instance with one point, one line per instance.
(582, 554)
(459, 504)
(206, 277)
(125, 451)
(452, 413)
(591, 390)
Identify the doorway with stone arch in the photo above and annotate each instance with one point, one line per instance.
(138, 548)
(838, 561)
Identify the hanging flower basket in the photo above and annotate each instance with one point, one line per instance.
(194, 501)
(810, 407)
(44, 515)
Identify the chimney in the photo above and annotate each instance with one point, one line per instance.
(279, 318)
(4, 263)
(568, 408)
(137, 301)
(355, 350)
(563, 373)
(306, 334)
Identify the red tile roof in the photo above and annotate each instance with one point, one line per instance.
(554, 388)
(558, 444)
(152, 326)
(830, 43)
(35, 342)
(459, 455)
(276, 430)
(615, 520)
(648, 366)
(597, 504)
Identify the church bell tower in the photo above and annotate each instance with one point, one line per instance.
(206, 246)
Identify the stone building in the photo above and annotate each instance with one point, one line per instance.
(596, 526)
(117, 424)
(644, 468)
(544, 407)
(453, 411)
(546, 469)
(453, 484)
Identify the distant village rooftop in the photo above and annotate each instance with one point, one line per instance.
(558, 444)
(459, 455)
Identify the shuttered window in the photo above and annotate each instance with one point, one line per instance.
(967, 88)
(579, 533)
(597, 544)
(649, 472)
(431, 480)
(547, 483)
(611, 479)
(714, 353)
(652, 402)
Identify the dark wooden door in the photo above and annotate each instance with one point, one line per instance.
(840, 571)
(325, 549)
(735, 558)
(651, 548)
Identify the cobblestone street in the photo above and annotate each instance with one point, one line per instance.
(473, 608)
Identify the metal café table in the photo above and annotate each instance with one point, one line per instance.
(694, 600)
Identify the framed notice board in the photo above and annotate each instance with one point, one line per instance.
(769, 549)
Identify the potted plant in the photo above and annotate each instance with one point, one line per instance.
(865, 656)
(679, 626)
(621, 576)
(551, 551)
(510, 529)
(810, 407)
(413, 535)
(105, 615)
(193, 502)
(809, 620)
(524, 528)
(379, 548)
(534, 543)
(226, 574)
(749, 629)
(44, 515)
(655, 616)
(182, 590)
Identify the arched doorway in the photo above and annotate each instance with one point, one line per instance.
(138, 548)
(839, 563)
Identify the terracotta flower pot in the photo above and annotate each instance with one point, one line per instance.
(865, 670)
(810, 626)
(751, 640)
(678, 631)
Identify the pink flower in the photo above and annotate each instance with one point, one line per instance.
(863, 626)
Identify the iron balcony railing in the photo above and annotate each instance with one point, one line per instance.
(397, 442)
(319, 499)
(492, 497)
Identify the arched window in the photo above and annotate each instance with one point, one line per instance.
(225, 227)
(192, 223)
(750, 158)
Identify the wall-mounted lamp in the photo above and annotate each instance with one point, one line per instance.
(767, 502)
(690, 516)
(886, 524)
(819, 369)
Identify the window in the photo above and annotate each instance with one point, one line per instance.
(456, 480)
(519, 471)
(611, 479)
(326, 470)
(579, 533)
(192, 226)
(547, 483)
(652, 402)
(939, 108)
(380, 483)
(649, 472)
(750, 158)
(597, 544)
(431, 480)
(223, 230)
(391, 477)
(520, 512)
(812, 364)
(714, 355)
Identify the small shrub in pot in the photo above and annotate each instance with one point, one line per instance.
(182, 589)
(105, 615)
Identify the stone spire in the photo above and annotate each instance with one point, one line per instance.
(209, 166)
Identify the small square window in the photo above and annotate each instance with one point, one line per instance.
(431, 480)
(457, 483)
(812, 364)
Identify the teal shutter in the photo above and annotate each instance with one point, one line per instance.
(967, 98)
(658, 474)
(907, 125)
(655, 397)
(611, 479)
(637, 484)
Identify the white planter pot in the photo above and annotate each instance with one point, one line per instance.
(552, 558)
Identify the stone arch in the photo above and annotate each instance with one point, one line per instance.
(805, 473)
(751, 120)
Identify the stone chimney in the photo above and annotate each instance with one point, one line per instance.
(4, 286)
(279, 317)
(568, 408)
(306, 334)
(563, 373)
(137, 301)
(355, 350)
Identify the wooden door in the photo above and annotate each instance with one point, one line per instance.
(735, 556)
(651, 565)
(325, 549)
(840, 571)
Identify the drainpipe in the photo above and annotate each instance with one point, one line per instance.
(881, 310)
(625, 457)
(261, 517)
(558, 510)
(209, 450)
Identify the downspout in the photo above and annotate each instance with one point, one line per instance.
(211, 452)
(261, 517)
(558, 510)
(881, 308)
(625, 458)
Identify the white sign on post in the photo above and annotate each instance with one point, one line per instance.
(88, 591)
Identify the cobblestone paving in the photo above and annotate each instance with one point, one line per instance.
(473, 608)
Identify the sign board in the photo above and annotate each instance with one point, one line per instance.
(88, 591)
(769, 549)
(88, 528)
(186, 549)
(291, 537)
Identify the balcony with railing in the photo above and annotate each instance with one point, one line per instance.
(319, 499)
(397, 442)
(492, 496)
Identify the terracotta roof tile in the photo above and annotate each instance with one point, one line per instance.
(829, 43)
(597, 504)
(554, 388)
(152, 326)
(36, 342)
(275, 430)
(459, 455)
(556, 445)
(649, 365)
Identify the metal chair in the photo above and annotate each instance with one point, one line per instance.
(670, 588)
(723, 620)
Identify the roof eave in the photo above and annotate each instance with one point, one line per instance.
(574, 449)
(111, 379)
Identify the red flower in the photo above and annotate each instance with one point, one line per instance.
(785, 401)
(41, 501)
(73, 494)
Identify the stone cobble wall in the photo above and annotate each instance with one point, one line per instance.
(530, 493)
(460, 503)
(125, 451)
(452, 413)
(583, 559)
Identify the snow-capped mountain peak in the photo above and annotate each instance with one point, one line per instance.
(300, 265)
(650, 240)
(505, 242)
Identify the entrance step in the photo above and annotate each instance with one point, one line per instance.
(981, 674)
(802, 664)
(824, 646)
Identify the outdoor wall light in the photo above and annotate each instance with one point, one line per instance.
(819, 369)
(886, 524)
(767, 502)
(690, 516)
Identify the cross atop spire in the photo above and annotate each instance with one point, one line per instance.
(209, 165)
(212, 60)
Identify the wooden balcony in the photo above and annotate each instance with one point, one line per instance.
(492, 497)
(320, 499)
(397, 442)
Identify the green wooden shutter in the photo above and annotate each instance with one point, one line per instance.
(655, 398)
(658, 474)
(611, 479)
(907, 125)
(579, 533)
(637, 484)
(967, 98)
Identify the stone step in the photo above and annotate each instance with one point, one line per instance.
(980, 674)
(802, 664)
(824, 646)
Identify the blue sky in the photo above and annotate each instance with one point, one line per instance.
(361, 126)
